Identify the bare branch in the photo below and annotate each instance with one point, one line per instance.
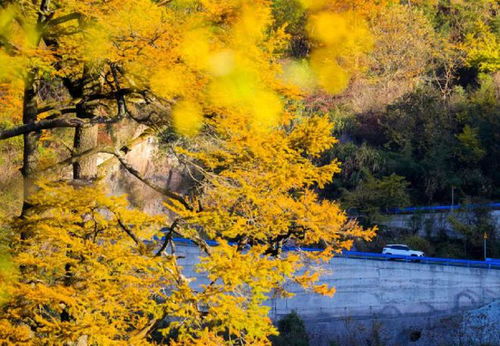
(128, 230)
(164, 191)
(72, 159)
(51, 123)
(63, 110)
(202, 244)
(64, 19)
(40, 125)
(168, 238)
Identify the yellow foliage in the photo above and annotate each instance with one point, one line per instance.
(329, 28)
(90, 269)
(8, 273)
(188, 118)
(483, 49)
(330, 76)
(89, 266)
(257, 191)
(11, 101)
(220, 55)
(195, 48)
(340, 37)
(299, 73)
(82, 261)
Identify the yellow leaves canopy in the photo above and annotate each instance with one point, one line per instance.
(89, 266)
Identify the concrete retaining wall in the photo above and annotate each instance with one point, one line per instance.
(390, 298)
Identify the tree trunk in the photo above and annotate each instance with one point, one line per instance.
(85, 139)
(30, 113)
(30, 152)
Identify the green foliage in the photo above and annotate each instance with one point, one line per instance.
(373, 195)
(292, 331)
(437, 143)
(486, 95)
(291, 14)
(450, 249)
(356, 161)
(473, 228)
(471, 146)
(8, 270)
(443, 132)
(418, 243)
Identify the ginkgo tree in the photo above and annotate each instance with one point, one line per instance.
(88, 269)
(89, 261)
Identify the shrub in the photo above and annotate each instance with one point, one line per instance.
(418, 243)
(292, 331)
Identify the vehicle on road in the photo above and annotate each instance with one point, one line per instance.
(401, 249)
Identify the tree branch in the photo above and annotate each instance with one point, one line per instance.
(62, 110)
(40, 125)
(168, 238)
(111, 95)
(128, 231)
(164, 191)
(64, 19)
(51, 123)
(72, 159)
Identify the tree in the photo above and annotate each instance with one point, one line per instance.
(373, 196)
(89, 270)
(470, 29)
(84, 272)
(394, 66)
(474, 225)
(420, 129)
(69, 59)
(94, 67)
(85, 259)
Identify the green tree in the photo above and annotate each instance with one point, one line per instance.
(374, 195)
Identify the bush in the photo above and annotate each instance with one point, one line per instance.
(418, 243)
(292, 332)
(450, 250)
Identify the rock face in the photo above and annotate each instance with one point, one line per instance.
(432, 224)
(157, 166)
(481, 326)
(476, 327)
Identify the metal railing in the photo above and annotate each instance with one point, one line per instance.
(490, 263)
(424, 260)
(441, 208)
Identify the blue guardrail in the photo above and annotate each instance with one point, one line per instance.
(437, 208)
(490, 263)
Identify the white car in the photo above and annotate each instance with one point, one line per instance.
(401, 249)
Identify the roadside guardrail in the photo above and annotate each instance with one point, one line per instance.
(490, 263)
(440, 208)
